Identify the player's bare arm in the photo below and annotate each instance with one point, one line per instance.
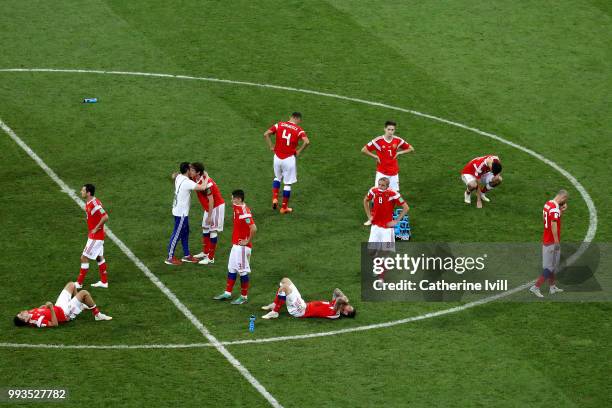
(252, 231)
(394, 222)
(304, 145)
(202, 187)
(366, 207)
(404, 151)
(365, 151)
(100, 224)
(267, 135)
(555, 232)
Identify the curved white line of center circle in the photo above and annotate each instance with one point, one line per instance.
(588, 238)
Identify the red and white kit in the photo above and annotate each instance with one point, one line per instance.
(384, 203)
(477, 169)
(66, 308)
(287, 136)
(240, 255)
(551, 255)
(297, 307)
(218, 212)
(95, 241)
(387, 155)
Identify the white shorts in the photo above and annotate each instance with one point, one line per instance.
(550, 258)
(393, 181)
(296, 306)
(71, 306)
(468, 178)
(94, 248)
(239, 260)
(382, 239)
(285, 169)
(218, 218)
(486, 178)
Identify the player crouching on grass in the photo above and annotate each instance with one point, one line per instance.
(240, 255)
(68, 306)
(481, 174)
(288, 294)
(214, 214)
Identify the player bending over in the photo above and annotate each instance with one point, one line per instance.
(240, 255)
(94, 249)
(288, 294)
(481, 174)
(551, 238)
(286, 135)
(214, 214)
(68, 306)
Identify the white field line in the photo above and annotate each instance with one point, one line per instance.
(103, 347)
(152, 277)
(590, 234)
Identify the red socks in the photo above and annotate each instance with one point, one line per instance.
(95, 310)
(205, 243)
(231, 280)
(540, 281)
(279, 301)
(102, 270)
(83, 273)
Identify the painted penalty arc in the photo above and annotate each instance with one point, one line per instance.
(588, 238)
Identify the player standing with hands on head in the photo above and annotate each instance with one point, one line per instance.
(385, 150)
(183, 185)
(240, 255)
(285, 148)
(551, 238)
(94, 249)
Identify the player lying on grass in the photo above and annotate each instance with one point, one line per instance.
(287, 293)
(481, 174)
(68, 306)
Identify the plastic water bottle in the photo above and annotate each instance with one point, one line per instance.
(252, 323)
(90, 100)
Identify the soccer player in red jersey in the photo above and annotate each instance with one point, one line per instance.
(385, 150)
(288, 294)
(551, 238)
(240, 255)
(483, 170)
(287, 135)
(384, 199)
(214, 214)
(68, 306)
(94, 249)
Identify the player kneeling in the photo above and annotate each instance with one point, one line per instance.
(288, 294)
(68, 306)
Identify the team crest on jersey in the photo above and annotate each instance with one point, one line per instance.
(395, 145)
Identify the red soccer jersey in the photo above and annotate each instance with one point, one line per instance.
(41, 316)
(551, 212)
(243, 219)
(214, 189)
(321, 309)
(386, 152)
(384, 204)
(287, 136)
(478, 166)
(94, 212)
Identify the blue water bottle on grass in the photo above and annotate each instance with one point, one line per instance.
(252, 323)
(90, 100)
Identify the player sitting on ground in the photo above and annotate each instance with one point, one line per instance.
(287, 293)
(484, 170)
(68, 306)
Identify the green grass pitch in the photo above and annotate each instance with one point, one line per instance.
(537, 74)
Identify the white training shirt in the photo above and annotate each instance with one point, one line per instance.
(182, 195)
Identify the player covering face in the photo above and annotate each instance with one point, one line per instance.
(69, 304)
(287, 294)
